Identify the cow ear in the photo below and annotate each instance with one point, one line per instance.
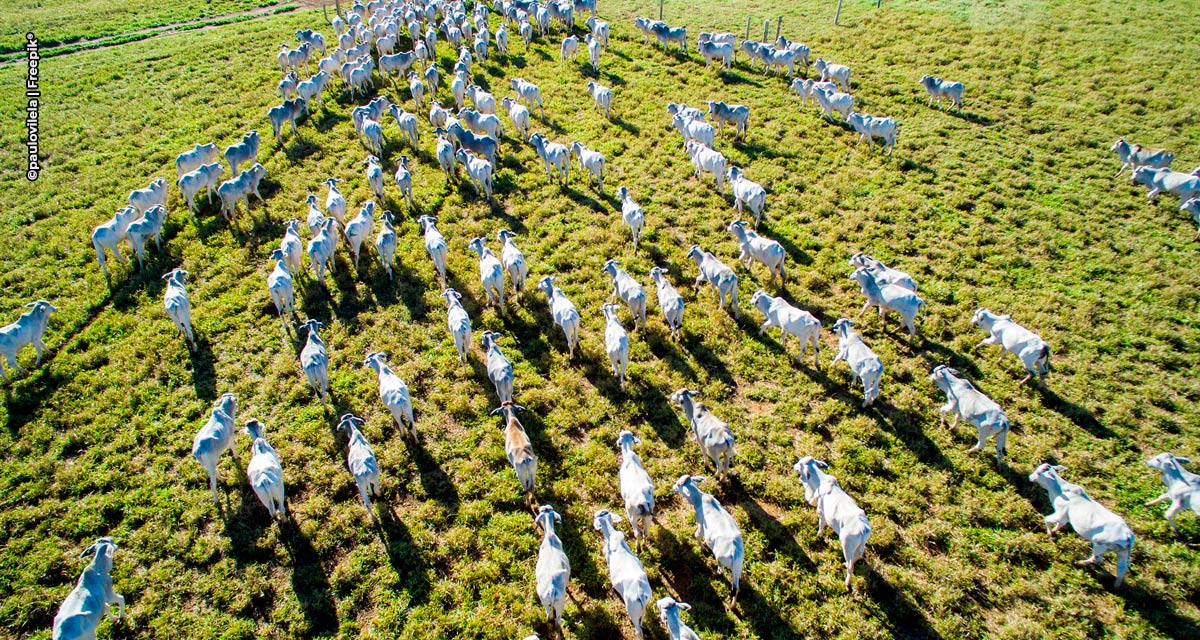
(683, 605)
(1059, 468)
(615, 517)
(1182, 460)
(88, 551)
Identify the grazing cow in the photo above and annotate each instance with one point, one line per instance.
(1027, 346)
(863, 362)
(177, 304)
(244, 151)
(625, 571)
(192, 159)
(714, 272)
(716, 528)
(871, 127)
(80, 614)
(791, 321)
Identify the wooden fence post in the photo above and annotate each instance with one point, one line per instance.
(778, 26)
(660, 10)
(838, 14)
(766, 29)
(747, 28)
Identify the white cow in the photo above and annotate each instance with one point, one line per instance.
(835, 508)
(175, 299)
(625, 571)
(867, 366)
(712, 433)
(791, 321)
(393, 392)
(1091, 520)
(80, 614)
(716, 528)
(1183, 486)
(1026, 345)
(973, 406)
(360, 459)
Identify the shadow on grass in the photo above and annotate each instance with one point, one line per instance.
(705, 357)
(310, 581)
(1080, 415)
(969, 116)
(798, 255)
(903, 617)
(690, 571)
(1158, 611)
(1031, 492)
(204, 374)
(779, 539)
(763, 615)
(943, 354)
(903, 426)
(403, 555)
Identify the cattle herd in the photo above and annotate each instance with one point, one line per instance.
(366, 39)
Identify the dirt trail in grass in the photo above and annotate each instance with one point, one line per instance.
(149, 33)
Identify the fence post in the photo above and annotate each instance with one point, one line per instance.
(766, 29)
(747, 28)
(778, 26)
(660, 10)
(838, 14)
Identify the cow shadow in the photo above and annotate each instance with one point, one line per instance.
(902, 425)
(297, 149)
(779, 539)
(691, 575)
(763, 616)
(943, 354)
(706, 359)
(403, 555)
(969, 116)
(902, 617)
(1081, 416)
(310, 581)
(798, 255)
(1158, 611)
(1034, 494)
(204, 374)
(245, 525)
(405, 285)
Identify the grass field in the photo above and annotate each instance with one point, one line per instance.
(1010, 205)
(56, 22)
